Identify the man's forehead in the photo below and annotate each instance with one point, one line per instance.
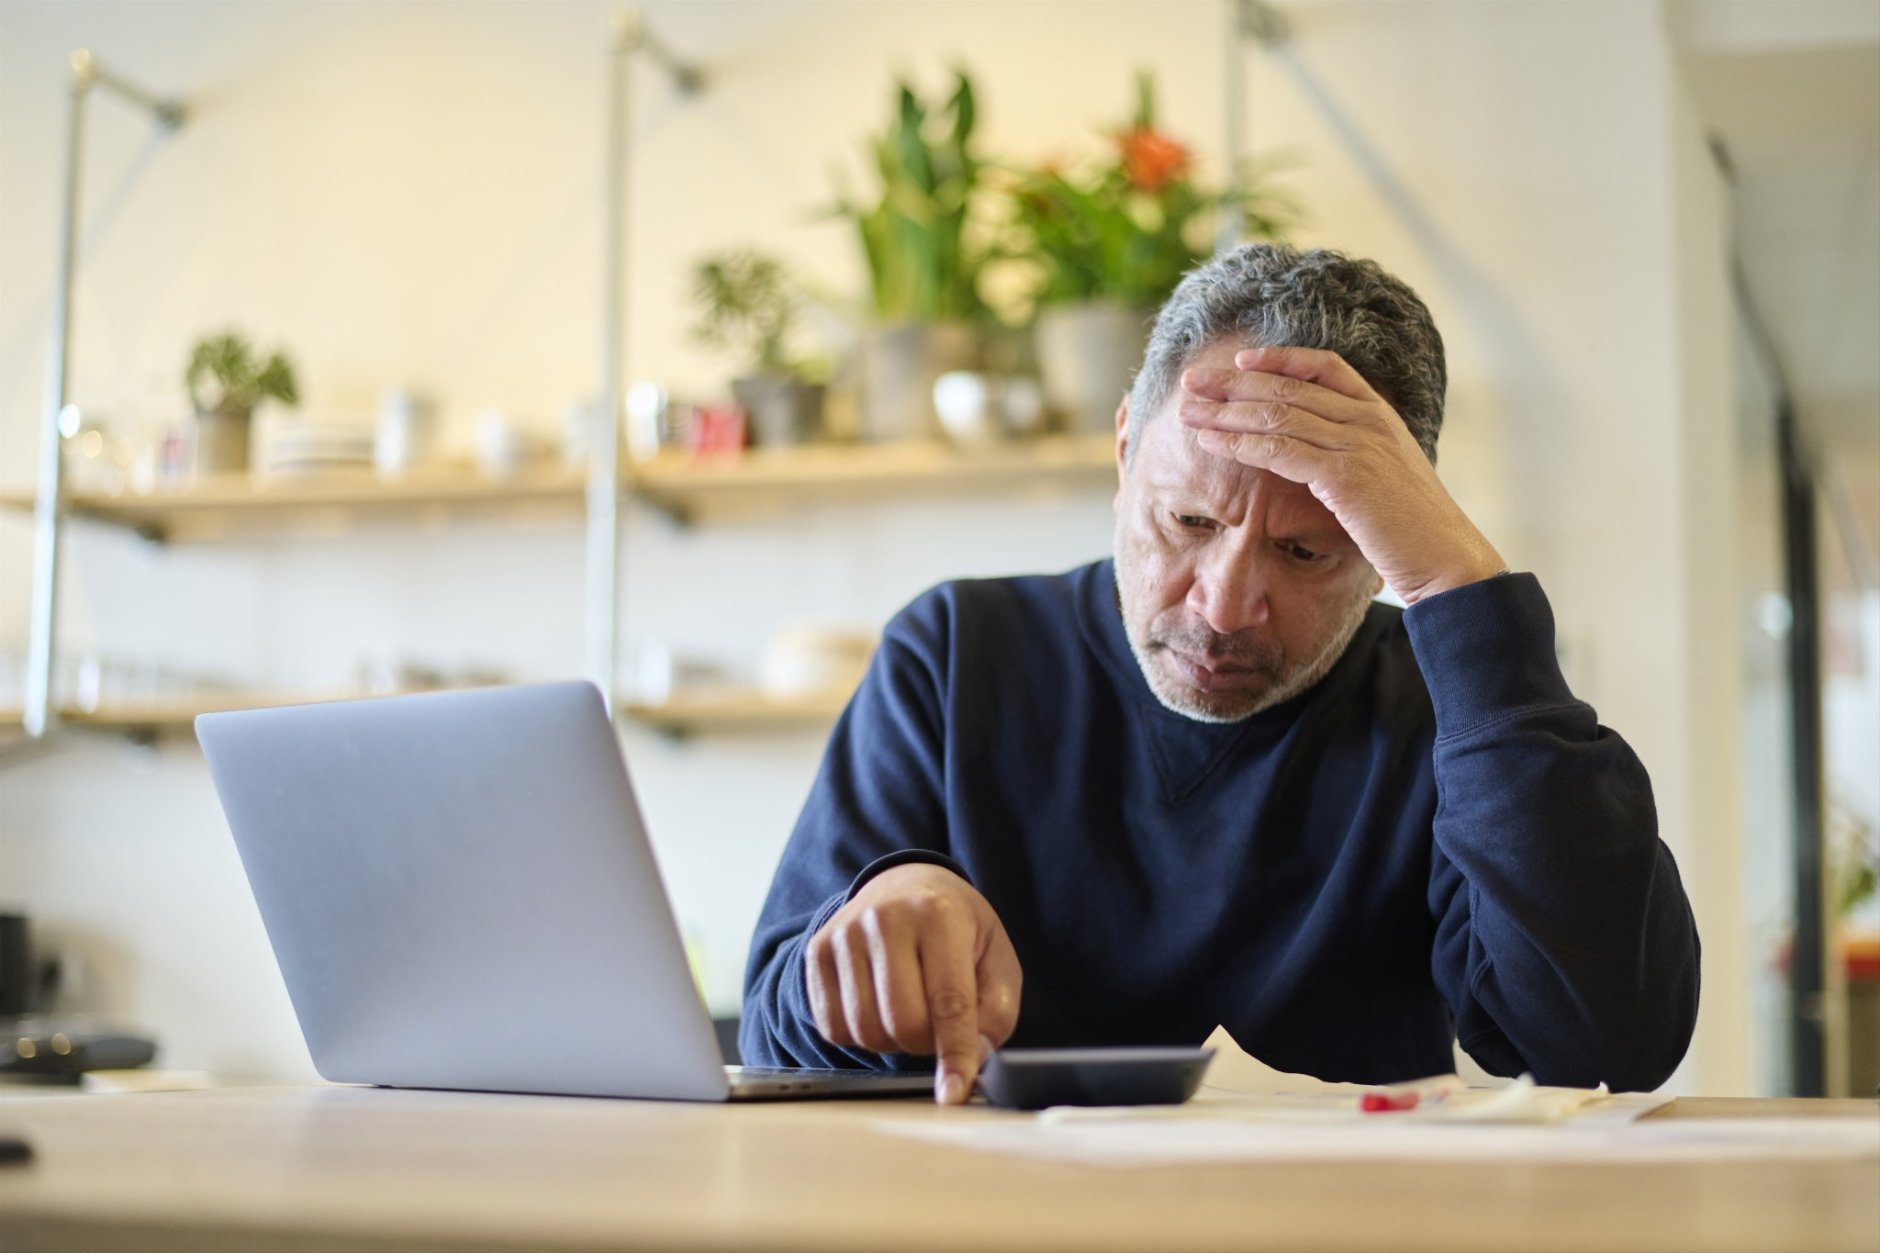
(1175, 467)
(1219, 353)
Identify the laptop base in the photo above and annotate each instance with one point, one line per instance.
(763, 1083)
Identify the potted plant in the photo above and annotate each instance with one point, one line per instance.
(239, 380)
(1108, 244)
(751, 302)
(925, 244)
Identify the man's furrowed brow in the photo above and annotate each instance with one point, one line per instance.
(1183, 489)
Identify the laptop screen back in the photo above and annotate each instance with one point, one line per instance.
(460, 893)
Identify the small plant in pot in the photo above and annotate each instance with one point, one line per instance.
(226, 379)
(1108, 242)
(926, 240)
(751, 303)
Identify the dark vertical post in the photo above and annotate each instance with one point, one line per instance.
(1807, 971)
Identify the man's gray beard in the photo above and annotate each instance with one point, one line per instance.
(1178, 700)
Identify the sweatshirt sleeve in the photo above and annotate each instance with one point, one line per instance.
(1564, 943)
(877, 802)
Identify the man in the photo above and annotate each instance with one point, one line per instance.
(1211, 781)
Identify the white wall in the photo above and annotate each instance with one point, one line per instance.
(1536, 173)
(409, 193)
(1705, 646)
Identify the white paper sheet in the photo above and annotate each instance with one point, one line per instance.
(1241, 1086)
(1494, 1106)
(1248, 1111)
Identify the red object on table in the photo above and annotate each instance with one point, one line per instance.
(1384, 1101)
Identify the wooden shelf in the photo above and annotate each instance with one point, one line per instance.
(240, 504)
(696, 489)
(688, 488)
(737, 709)
(152, 719)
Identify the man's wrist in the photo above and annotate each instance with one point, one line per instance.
(1487, 566)
(905, 857)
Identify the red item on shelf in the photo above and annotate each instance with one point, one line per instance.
(1861, 953)
(716, 430)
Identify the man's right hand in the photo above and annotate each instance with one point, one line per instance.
(916, 963)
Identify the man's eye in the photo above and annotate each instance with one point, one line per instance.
(1193, 522)
(1302, 554)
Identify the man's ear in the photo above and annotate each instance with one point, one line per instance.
(1122, 441)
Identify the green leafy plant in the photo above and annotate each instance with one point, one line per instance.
(1127, 228)
(1854, 846)
(922, 234)
(750, 304)
(242, 380)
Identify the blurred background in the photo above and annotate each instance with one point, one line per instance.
(342, 346)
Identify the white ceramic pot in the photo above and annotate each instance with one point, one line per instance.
(977, 408)
(968, 406)
(406, 431)
(1087, 355)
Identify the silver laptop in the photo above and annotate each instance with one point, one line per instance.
(460, 894)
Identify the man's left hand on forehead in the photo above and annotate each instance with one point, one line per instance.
(1306, 415)
(1318, 366)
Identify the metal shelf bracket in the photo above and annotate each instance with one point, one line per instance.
(40, 718)
(604, 490)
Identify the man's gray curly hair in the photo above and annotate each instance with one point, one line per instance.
(1273, 295)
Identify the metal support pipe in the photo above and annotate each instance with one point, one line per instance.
(1261, 23)
(604, 489)
(1234, 130)
(41, 649)
(688, 78)
(86, 71)
(603, 485)
(39, 716)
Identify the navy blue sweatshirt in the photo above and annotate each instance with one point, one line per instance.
(1435, 842)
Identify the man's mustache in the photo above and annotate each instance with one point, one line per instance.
(1243, 649)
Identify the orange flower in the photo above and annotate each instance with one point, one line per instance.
(1151, 160)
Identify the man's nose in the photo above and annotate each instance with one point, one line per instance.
(1229, 593)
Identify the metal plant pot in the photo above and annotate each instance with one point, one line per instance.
(1087, 355)
(783, 410)
(899, 367)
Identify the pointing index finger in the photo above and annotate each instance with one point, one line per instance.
(952, 987)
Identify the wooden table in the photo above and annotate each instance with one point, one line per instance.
(319, 1168)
